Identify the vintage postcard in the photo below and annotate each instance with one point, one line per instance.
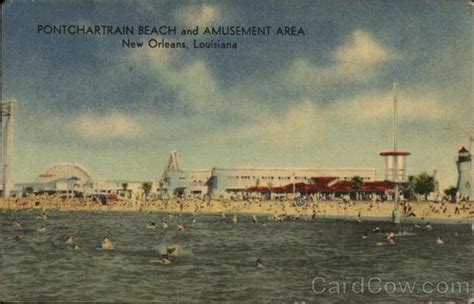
(274, 151)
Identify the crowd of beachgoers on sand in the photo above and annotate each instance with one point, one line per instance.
(275, 207)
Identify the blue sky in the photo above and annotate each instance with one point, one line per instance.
(318, 100)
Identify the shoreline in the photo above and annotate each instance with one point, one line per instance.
(368, 218)
(451, 213)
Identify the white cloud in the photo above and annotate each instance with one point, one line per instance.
(100, 127)
(296, 128)
(194, 82)
(196, 86)
(356, 60)
(305, 122)
(158, 57)
(200, 15)
(361, 49)
(379, 106)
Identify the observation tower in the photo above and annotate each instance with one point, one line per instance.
(395, 160)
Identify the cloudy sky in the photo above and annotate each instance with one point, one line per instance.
(318, 100)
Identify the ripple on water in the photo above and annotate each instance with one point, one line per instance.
(217, 260)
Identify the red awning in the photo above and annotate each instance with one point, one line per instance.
(341, 186)
(377, 186)
(258, 188)
(320, 184)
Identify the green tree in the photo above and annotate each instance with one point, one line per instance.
(451, 192)
(29, 189)
(124, 186)
(411, 185)
(423, 184)
(356, 182)
(147, 187)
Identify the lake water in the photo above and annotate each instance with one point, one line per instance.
(304, 260)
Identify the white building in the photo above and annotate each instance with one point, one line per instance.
(240, 179)
(186, 182)
(217, 181)
(72, 178)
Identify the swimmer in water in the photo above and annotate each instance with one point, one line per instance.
(365, 236)
(194, 219)
(181, 227)
(164, 224)
(69, 240)
(151, 225)
(42, 216)
(107, 244)
(17, 223)
(254, 219)
(165, 259)
(234, 219)
(223, 214)
(359, 217)
(376, 230)
(439, 241)
(76, 247)
(428, 227)
(173, 249)
(259, 263)
(42, 229)
(391, 237)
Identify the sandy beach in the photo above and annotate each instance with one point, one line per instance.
(271, 208)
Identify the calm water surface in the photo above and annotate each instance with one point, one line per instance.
(217, 259)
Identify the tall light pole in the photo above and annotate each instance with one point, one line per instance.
(395, 212)
(7, 110)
